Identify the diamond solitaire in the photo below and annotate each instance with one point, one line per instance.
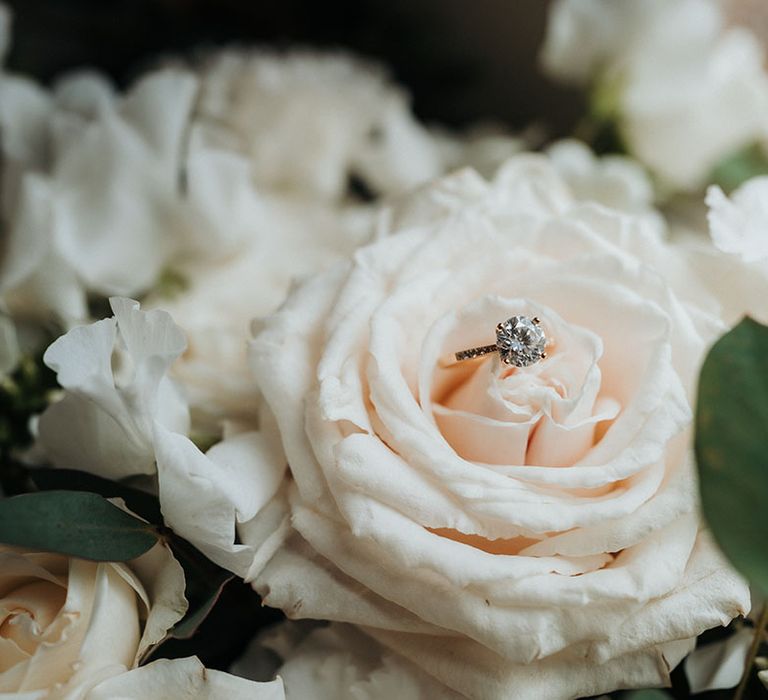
(520, 341)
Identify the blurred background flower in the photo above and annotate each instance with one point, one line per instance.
(459, 66)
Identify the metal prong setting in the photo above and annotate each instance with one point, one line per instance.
(520, 341)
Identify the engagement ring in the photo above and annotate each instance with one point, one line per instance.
(520, 341)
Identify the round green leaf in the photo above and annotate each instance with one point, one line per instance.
(76, 523)
(732, 447)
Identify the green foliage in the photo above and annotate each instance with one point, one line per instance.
(171, 284)
(23, 393)
(144, 504)
(75, 523)
(204, 580)
(739, 167)
(732, 447)
(601, 126)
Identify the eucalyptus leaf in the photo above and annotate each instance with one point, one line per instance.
(732, 447)
(140, 502)
(75, 523)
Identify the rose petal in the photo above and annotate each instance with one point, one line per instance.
(183, 679)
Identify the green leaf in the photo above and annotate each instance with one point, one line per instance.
(739, 167)
(732, 447)
(171, 284)
(75, 523)
(23, 393)
(142, 503)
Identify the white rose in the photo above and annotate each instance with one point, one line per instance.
(68, 623)
(530, 532)
(689, 89)
(120, 416)
(309, 121)
(78, 630)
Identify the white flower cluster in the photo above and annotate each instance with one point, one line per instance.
(305, 253)
(687, 86)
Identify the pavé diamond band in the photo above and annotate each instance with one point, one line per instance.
(520, 341)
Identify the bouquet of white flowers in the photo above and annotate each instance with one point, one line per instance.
(301, 398)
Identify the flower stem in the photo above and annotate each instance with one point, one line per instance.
(753, 649)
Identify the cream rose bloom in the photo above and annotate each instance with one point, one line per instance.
(67, 624)
(72, 629)
(688, 87)
(529, 533)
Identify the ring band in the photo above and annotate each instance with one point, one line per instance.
(472, 353)
(520, 341)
